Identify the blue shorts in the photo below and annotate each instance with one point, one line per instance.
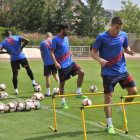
(16, 64)
(64, 74)
(48, 69)
(109, 82)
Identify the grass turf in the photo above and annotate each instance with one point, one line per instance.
(34, 125)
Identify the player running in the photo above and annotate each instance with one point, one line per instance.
(49, 66)
(60, 55)
(110, 45)
(12, 44)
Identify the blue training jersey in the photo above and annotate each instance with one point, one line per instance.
(111, 49)
(13, 44)
(62, 53)
(45, 47)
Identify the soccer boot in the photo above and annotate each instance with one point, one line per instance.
(64, 105)
(36, 84)
(47, 95)
(121, 113)
(111, 130)
(82, 96)
(16, 93)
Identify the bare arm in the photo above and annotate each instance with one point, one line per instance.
(25, 40)
(95, 56)
(57, 65)
(129, 51)
(41, 52)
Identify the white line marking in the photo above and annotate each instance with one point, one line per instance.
(89, 122)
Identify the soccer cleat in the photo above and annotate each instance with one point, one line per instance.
(64, 105)
(111, 130)
(82, 96)
(121, 113)
(36, 84)
(47, 95)
(16, 93)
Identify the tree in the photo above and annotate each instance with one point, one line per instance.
(91, 18)
(131, 17)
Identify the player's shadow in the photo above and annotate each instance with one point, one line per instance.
(67, 134)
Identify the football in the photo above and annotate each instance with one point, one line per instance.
(86, 102)
(2, 108)
(40, 96)
(3, 95)
(55, 91)
(37, 88)
(29, 106)
(2, 87)
(28, 100)
(93, 89)
(10, 107)
(35, 96)
(37, 104)
(20, 106)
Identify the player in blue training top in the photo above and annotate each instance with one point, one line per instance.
(60, 55)
(12, 44)
(49, 66)
(110, 45)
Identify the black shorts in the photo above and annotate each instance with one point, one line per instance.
(15, 65)
(64, 74)
(48, 69)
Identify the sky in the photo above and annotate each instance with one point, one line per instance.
(116, 4)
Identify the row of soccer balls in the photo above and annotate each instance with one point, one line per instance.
(19, 106)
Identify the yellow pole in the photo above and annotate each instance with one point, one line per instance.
(114, 104)
(130, 96)
(83, 122)
(69, 95)
(124, 116)
(138, 136)
(54, 114)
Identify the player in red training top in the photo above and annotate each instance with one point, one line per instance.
(110, 45)
(13, 46)
(49, 66)
(60, 55)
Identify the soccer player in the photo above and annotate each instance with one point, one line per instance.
(49, 66)
(110, 45)
(12, 44)
(60, 55)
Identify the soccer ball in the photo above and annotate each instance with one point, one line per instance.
(35, 97)
(10, 107)
(93, 89)
(28, 100)
(37, 88)
(3, 95)
(14, 103)
(20, 106)
(2, 108)
(37, 104)
(29, 106)
(2, 87)
(86, 102)
(40, 96)
(55, 91)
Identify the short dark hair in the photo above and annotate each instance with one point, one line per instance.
(63, 26)
(117, 20)
(7, 32)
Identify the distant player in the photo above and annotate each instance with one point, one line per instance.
(12, 44)
(110, 45)
(49, 66)
(60, 55)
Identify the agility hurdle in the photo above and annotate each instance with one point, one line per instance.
(69, 95)
(104, 105)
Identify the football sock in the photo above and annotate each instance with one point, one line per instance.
(125, 107)
(109, 122)
(58, 82)
(16, 90)
(48, 91)
(63, 100)
(29, 72)
(33, 82)
(15, 80)
(78, 89)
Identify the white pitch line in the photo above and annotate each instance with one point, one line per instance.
(89, 122)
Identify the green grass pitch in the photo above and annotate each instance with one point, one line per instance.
(34, 125)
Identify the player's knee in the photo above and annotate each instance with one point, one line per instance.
(82, 73)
